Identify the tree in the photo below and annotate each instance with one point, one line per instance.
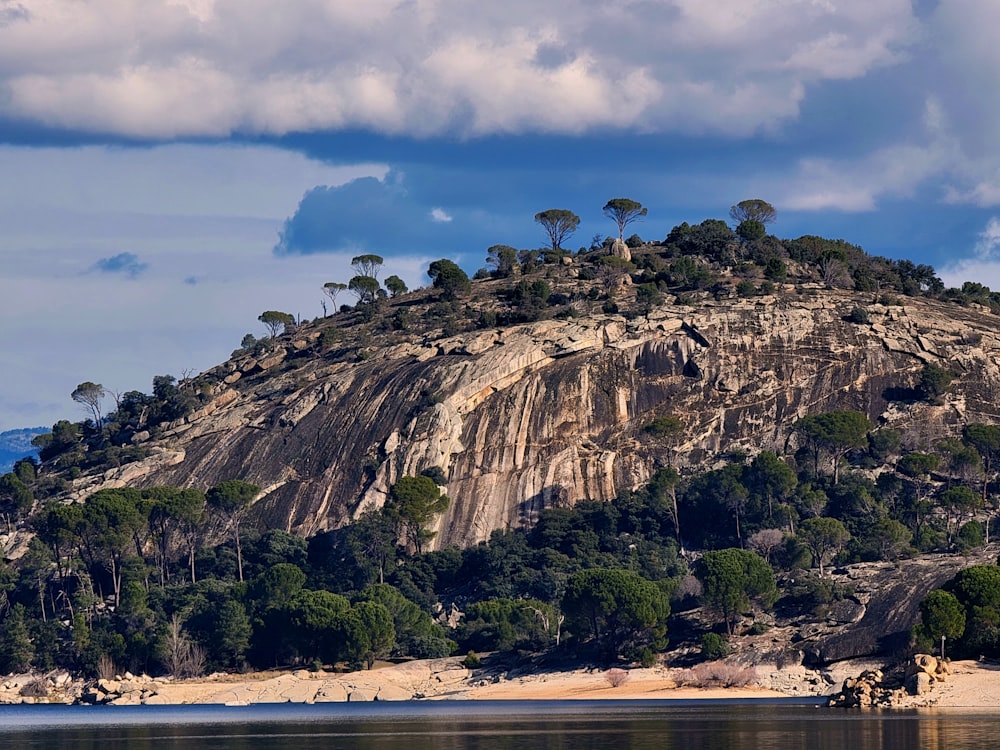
(942, 617)
(559, 224)
(934, 381)
(623, 211)
(986, 440)
(395, 286)
(416, 501)
(835, 432)
(16, 651)
(666, 433)
(90, 395)
(365, 288)
(751, 230)
(503, 258)
(381, 632)
(770, 477)
(367, 265)
(449, 278)
(332, 289)
(824, 537)
(109, 532)
(732, 579)
(753, 209)
(620, 609)
(231, 500)
(276, 321)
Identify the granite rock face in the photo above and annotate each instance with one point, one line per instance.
(531, 416)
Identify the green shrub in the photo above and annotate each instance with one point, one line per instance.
(714, 646)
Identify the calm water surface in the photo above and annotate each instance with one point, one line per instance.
(535, 725)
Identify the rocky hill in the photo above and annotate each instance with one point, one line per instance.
(526, 416)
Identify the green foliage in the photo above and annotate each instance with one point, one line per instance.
(276, 321)
(367, 264)
(16, 650)
(90, 395)
(559, 224)
(332, 289)
(620, 610)
(449, 278)
(859, 316)
(507, 625)
(714, 646)
(824, 537)
(416, 501)
(732, 579)
(503, 259)
(751, 230)
(395, 286)
(753, 209)
(835, 433)
(365, 288)
(623, 211)
(977, 589)
(934, 381)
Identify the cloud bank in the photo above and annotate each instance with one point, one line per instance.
(174, 68)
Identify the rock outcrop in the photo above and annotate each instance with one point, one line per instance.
(526, 417)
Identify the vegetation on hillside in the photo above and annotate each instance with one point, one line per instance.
(179, 580)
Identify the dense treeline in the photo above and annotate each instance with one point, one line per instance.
(167, 579)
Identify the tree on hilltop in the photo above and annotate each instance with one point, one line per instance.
(276, 321)
(558, 223)
(367, 264)
(90, 395)
(753, 210)
(623, 211)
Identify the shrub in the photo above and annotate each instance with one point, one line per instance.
(717, 674)
(472, 661)
(858, 315)
(714, 646)
(616, 677)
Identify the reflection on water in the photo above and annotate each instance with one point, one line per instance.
(555, 725)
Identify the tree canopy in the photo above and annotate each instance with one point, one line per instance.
(449, 278)
(559, 224)
(753, 209)
(276, 321)
(623, 211)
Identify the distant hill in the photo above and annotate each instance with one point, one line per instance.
(16, 444)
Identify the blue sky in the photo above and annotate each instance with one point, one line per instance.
(169, 169)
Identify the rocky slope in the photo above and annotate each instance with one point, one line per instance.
(528, 416)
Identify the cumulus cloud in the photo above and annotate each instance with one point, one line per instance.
(125, 264)
(989, 239)
(892, 171)
(984, 264)
(173, 68)
(441, 216)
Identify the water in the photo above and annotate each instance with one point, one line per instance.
(513, 725)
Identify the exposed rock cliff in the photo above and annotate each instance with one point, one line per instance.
(551, 412)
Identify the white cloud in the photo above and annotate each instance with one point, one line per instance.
(983, 267)
(858, 184)
(989, 238)
(440, 215)
(168, 68)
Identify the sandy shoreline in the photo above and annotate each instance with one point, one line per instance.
(971, 685)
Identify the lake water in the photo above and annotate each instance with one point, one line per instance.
(514, 725)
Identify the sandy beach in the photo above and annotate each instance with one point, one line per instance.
(970, 685)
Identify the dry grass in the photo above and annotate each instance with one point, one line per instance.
(717, 674)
